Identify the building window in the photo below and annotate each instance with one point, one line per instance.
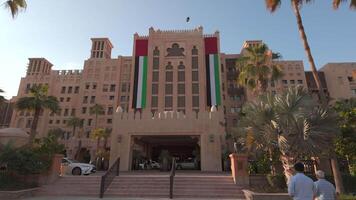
(28, 87)
(66, 111)
(272, 84)
(61, 99)
(70, 90)
(195, 88)
(285, 82)
(300, 81)
(155, 63)
(89, 122)
(76, 90)
(84, 110)
(123, 87)
(181, 101)
(123, 98)
(181, 75)
(194, 50)
(292, 81)
(110, 110)
(195, 101)
(154, 101)
(63, 90)
(68, 99)
(169, 76)
(92, 99)
(87, 85)
(50, 121)
(195, 76)
(155, 76)
(112, 88)
(181, 88)
(154, 88)
(111, 97)
(109, 121)
(195, 62)
(105, 87)
(73, 112)
(58, 121)
(94, 86)
(85, 99)
(168, 89)
(168, 101)
(156, 52)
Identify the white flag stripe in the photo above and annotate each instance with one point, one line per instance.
(139, 82)
(212, 79)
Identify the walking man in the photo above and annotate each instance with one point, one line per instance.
(300, 186)
(324, 190)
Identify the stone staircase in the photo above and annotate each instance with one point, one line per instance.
(197, 185)
(72, 186)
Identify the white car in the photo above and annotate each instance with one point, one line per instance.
(151, 165)
(74, 167)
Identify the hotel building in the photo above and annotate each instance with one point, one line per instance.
(177, 92)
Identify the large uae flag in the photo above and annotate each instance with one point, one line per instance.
(212, 71)
(140, 74)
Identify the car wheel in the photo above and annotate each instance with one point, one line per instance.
(76, 171)
(179, 167)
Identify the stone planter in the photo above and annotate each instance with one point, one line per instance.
(265, 196)
(18, 194)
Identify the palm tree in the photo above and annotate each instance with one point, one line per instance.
(15, 6)
(2, 98)
(294, 123)
(75, 122)
(336, 3)
(96, 110)
(260, 133)
(98, 134)
(37, 101)
(272, 6)
(256, 69)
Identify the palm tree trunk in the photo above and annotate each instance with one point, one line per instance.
(96, 120)
(287, 161)
(304, 38)
(34, 125)
(337, 176)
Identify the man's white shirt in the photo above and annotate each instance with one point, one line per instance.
(301, 187)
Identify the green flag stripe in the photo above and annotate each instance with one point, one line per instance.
(144, 82)
(217, 80)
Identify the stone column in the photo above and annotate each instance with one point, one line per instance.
(239, 169)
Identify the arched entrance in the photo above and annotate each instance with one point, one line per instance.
(148, 152)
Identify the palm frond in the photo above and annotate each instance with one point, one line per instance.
(272, 5)
(15, 6)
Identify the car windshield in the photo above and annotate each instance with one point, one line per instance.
(73, 161)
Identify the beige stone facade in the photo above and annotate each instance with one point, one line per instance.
(341, 80)
(177, 113)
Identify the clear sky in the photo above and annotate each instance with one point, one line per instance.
(61, 30)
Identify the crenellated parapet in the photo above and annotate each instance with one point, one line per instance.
(147, 115)
(67, 72)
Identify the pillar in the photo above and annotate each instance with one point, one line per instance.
(239, 169)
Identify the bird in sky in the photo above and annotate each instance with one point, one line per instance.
(188, 19)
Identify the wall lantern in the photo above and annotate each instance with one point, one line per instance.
(119, 137)
(211, 138)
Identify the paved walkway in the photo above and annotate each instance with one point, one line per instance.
(115, 198)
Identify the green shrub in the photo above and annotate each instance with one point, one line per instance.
(347, 197)
(30, 160)
(277, 181)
